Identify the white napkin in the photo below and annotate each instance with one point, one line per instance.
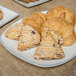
(8, 15)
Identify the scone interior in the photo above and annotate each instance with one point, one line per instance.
(29, 38)
(49, 49)
(14, 31)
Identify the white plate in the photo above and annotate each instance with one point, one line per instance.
(31, 3)
(8, 15)
(11, 46)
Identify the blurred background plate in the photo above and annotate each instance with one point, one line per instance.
(8, 15)
(31, 4)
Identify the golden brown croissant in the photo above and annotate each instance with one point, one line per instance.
(61, 12)
(35, 20)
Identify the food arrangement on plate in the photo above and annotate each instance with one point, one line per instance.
(48, 31)
(28, 1)
(1, 14)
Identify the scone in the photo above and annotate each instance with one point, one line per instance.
(35, 20)
(55, 35)
(1, 14)
(49, 49)
(65, 29)
(14, 31)
(29, 38)
(63, 13)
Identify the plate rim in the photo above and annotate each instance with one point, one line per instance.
(26, 60)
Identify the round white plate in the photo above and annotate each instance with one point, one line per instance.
(11, 46)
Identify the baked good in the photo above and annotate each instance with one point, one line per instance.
(49, 49)
(55, 35)
(38, 17)
(75, 36)
(1, 14)
(32, 23)
(35, 20)
(29, 38)
(65, 29)
(28, 1)
(14, 31)
(63, 13)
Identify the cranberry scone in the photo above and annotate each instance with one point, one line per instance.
(29, 38)
(14, 31)
(49, 49)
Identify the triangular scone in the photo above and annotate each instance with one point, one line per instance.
(14, 31)
(29, 38)
(55, 35)
(49, 49)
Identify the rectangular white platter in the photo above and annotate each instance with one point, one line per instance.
(8, 15)
(31, 4)
(28, 55)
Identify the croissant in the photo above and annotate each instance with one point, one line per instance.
(35, 20)
(63, 13)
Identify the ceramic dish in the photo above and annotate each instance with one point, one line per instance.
(11, 46)
(8, 15)
(31, 4)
